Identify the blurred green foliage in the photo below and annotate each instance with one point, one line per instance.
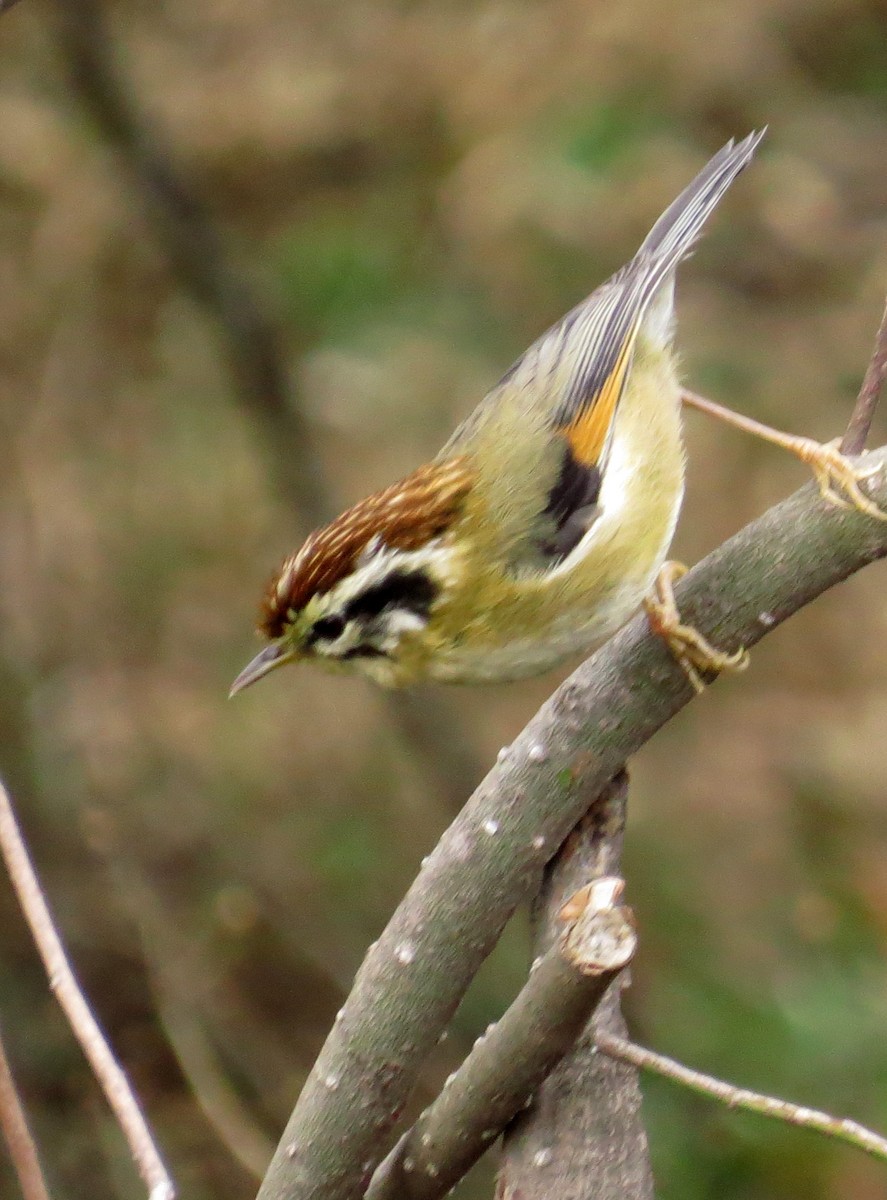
(599, 138)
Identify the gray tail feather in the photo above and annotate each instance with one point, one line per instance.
(587, 342)
(673, 235)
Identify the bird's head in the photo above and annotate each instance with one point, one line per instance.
(361, 591)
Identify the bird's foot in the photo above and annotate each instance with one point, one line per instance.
(695, 654)
(837, 477)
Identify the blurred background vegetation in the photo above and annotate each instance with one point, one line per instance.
(379, 204)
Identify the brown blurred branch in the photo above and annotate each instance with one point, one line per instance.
(201, 258)
(844, 1130)
(217, 1098)
(86, 1029)
(14, 1123)
(490, 857)
(514, 1056)
(853, 441)
(179, 978)
(584, 1123)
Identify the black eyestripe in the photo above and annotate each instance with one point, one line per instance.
(364, 651)
(326, 629)
(412, 590)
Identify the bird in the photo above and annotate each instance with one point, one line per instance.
(545, 521)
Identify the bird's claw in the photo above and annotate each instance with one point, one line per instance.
(838, 478)
(692, 651)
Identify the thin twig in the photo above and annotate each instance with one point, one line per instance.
(178, 978)
(86, 1029)
(213, 1091)
(14, 1123)
(854, 439)
(736, 1097)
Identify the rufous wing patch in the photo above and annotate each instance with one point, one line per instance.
(404, 516)
(589, 432)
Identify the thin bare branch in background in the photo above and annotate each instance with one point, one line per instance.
(215, 1095)
(736, 1097)
(853, 441)
(105, 1067)
(584, 1122)
(14, 1123)
(178, 979)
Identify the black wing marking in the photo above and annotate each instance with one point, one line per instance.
(571, 507)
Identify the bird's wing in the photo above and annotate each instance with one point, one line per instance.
(584, 361)
(587, 356)
(571, 380)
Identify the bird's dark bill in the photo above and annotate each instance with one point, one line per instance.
(267, 660)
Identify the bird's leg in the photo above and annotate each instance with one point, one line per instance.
(687, 644)
(836, 475)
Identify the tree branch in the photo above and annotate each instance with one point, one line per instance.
(844, 1130)
(14, 1123)
(582, 1137)
(490, 857)
(854, 439)
(513, 1057)
(86, 1029)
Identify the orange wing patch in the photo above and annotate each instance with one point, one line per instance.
(404, 516)
(589, 432)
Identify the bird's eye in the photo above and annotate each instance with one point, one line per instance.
(327, 629)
